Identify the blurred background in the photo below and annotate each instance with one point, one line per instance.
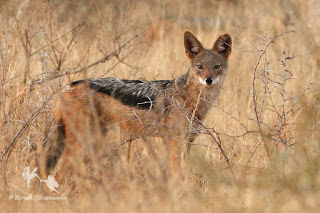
(266, 117)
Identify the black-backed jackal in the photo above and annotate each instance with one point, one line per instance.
(170, 109)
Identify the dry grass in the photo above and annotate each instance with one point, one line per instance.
(274, 167)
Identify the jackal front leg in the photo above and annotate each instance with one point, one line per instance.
(175, 157)
(190, 139)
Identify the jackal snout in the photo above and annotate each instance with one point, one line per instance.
(208, 66)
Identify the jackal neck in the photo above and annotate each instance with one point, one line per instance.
(194, 96)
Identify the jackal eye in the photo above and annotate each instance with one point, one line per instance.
(217, 66)
(200, 67)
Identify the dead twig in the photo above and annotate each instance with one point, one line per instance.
(8, 150)
(273, 87)
(70, 71)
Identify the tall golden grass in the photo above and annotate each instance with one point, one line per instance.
(44, 45)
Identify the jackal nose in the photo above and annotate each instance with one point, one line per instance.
(209, 81)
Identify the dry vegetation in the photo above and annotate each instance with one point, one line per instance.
(260, 148)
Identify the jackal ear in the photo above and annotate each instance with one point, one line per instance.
(192, 45)
(223, 45)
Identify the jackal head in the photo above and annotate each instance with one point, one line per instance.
(208, 66)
